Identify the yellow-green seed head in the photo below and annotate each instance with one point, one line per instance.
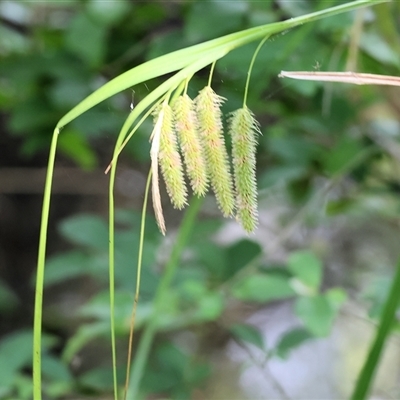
(208, 107)
(244, 128)
(170, 161)
(192, 151)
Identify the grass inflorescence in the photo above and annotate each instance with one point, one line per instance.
(170, 162)
(186, 125)
(208, 107)
(194, 129)
(244, 129)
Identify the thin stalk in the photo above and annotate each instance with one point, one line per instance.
(355, 38)
(138, 275)
(150, 330)
(253, 59)
(211, 73)
(37, 322)
(367, 374)
(111, 269)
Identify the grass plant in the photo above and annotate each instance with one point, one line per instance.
(164, 152)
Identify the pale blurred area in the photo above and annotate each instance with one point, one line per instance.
(358, 252)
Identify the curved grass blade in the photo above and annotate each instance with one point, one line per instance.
(365, 379)
(182, 58)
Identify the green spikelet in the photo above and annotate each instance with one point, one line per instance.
(209, 115)
(186, 128)
(243, 128)
(170, 161)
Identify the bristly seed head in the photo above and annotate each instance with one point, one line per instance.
(243, 128)
(186, 127)
(170, 161)
(208, 107)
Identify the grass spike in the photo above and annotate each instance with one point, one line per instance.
(170, 160)
(243, 129)
(186, 126)
(208, 107)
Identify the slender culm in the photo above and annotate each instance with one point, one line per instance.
(208, 107)
(186, 126)
(244, 128)
(170, 161)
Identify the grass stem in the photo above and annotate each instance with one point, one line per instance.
(150, 329)
(366, 376)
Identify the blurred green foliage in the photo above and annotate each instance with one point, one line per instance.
(53, 54)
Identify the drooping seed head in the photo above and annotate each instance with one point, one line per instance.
(155, 188)
(170, 161)
(244, 128)
(208, 107)
(186, 127)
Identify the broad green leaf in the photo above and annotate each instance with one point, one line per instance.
(210, 306)
(336, 297)
(306, 267)
(316, 313)
(295, 8)
(172, 357)
(107, 12)
(8, 299)
(240, 254)
(263, 288)
(67, 91)
(378, 48)
(157, 380)
(85, 230)
(248, 333)
(98, 121)
(86, 39)
(290, 340)
(31, 115)
(339, 206)
(209, 19)
(23, 388)
(198, 373)
(84, 335)
(281, 175)
(99, 308)
(12, 41)
(70, 265)
(193, 290)
(344, 151)
(99, 379)
(293, 149)
(16, 353)
(168, 42)
(74, 146)
(235, 65)
(55, 369)
(214, 258)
